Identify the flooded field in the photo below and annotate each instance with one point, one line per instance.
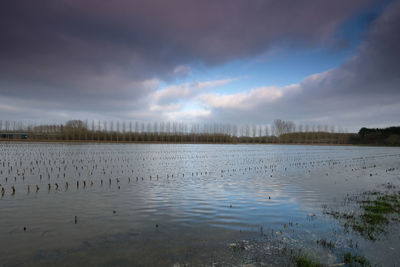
(199, 205)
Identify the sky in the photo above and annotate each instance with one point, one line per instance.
(202, 61)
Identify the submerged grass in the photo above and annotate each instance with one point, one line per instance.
(355, 260)
(305, 261)
(376, 210)
(348, 260)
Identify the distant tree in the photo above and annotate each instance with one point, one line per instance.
(136, 131)
(111, 130)
(98, 130)
(130, 131)
(155, 129)
(74, 129)
(260, 133)
(162, 132)
(123, 131)
(282, 127)
(117, 131)
(266, 131)
(76, 124)
(254, 131)
(105, 131)
(93, 130)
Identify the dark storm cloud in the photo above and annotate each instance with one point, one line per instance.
(97, 55)
(364, 91)
(372, 76)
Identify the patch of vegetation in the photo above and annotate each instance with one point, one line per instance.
(349, 259)
(305, 261)
(355, 260)
(383, 136)
(376, 210)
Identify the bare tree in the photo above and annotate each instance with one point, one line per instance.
(130, 131)
(123, 131)
(105, 131)
(112, 129)
(117, 132)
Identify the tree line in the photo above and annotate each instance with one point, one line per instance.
(378, 136)
(279, 131)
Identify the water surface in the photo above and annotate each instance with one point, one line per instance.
(151, 204)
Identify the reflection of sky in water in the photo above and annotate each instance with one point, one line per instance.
(197, 187)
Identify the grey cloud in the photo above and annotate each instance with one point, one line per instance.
(56, 50)
(364, 91)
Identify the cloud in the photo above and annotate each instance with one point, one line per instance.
(184, 91)
(365, 90)
(182, 70)
(246, 100)
(188, 115)
(100, 55)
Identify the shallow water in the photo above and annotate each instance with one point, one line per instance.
(151, 204)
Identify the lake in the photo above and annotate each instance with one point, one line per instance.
(177, 204)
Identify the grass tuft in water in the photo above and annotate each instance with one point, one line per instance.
(355, 260)
(305, 261)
